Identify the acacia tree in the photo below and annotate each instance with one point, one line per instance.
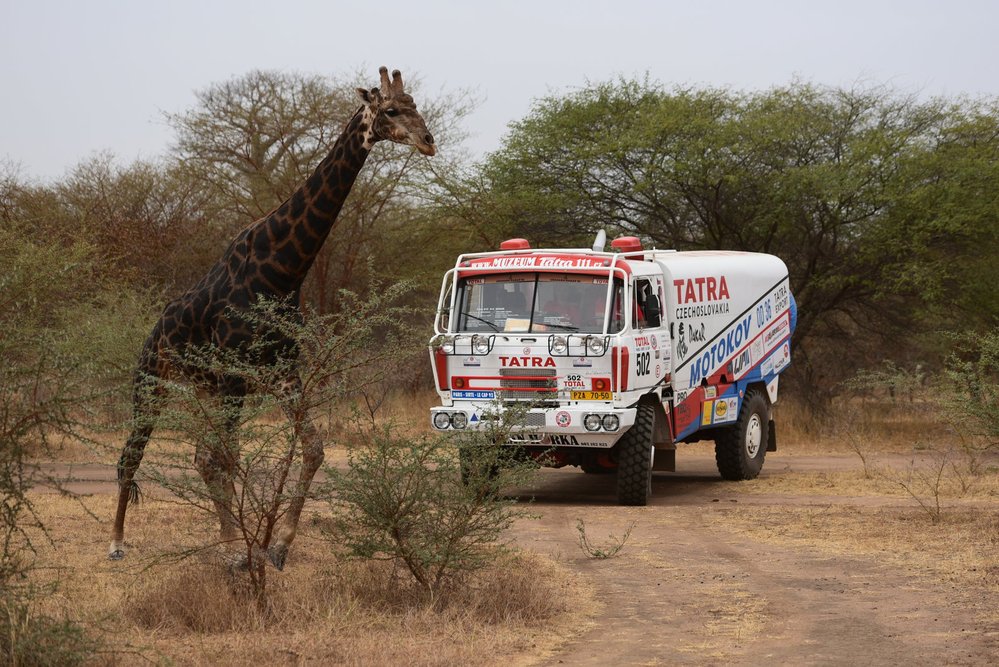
(44, 388)
(142, 217)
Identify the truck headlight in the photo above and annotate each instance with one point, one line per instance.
(611, 422)
(591, 422)
(595, 345)
(441, 420)
(480, 345)
(459, 420)
(559, 344)
(447, 345)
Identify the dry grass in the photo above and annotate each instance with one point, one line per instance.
(324, 611)
(319, 609)
(962, 550)
(887, 476)
(896, 426)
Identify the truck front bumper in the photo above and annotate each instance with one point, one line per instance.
(598, 426)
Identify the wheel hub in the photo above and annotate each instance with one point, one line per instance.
(754, 436)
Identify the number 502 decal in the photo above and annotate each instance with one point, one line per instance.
(644, 361)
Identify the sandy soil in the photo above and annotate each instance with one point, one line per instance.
(688, 588)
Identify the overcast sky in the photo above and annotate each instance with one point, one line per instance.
(82, 76)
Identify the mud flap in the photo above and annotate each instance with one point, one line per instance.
(665, 457)
(771, 436)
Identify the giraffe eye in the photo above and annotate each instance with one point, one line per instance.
(391, 112)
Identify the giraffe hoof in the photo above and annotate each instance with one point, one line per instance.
(117, 554)
(277, 554)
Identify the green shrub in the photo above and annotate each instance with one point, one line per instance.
(418, 502)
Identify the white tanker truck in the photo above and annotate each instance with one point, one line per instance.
(617, 355)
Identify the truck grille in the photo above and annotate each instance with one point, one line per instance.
(533, 384)
(535, 420)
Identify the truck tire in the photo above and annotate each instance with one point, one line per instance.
(634, 459)
(741, 447)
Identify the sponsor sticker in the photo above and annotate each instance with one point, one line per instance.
(563, 418)
(472, 394)
(778, 330)
(726, 410)
(706, 414)
(782, 357)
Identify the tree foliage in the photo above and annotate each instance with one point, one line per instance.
(871, 198)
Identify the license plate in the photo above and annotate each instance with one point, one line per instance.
(592, 396)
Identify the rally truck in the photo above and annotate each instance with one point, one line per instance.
(616, 357)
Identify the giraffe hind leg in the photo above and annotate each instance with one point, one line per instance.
(134, 492)
(146, 396)
(128, 488)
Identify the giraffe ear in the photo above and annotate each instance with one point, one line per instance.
(369, 97)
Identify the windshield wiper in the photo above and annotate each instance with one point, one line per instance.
(495, 328)
(564, 327)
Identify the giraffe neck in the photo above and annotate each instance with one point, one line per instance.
(286, 242)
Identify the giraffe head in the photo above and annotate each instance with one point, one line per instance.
(394, 116)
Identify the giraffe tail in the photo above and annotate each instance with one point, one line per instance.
(134, 492)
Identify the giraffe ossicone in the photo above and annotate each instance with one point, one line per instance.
(269, 259)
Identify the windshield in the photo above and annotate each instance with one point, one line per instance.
(536, 302)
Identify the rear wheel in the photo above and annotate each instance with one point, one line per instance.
(741, 448)
(634, 459)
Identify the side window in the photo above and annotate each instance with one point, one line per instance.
(444, 314)
(618, 309)
(648, 311)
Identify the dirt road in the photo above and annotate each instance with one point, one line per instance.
(686, 589)
(693, 587)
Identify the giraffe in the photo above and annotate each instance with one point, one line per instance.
(270, 259)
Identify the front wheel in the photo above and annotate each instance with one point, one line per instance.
(741, 447)
(634, 459)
